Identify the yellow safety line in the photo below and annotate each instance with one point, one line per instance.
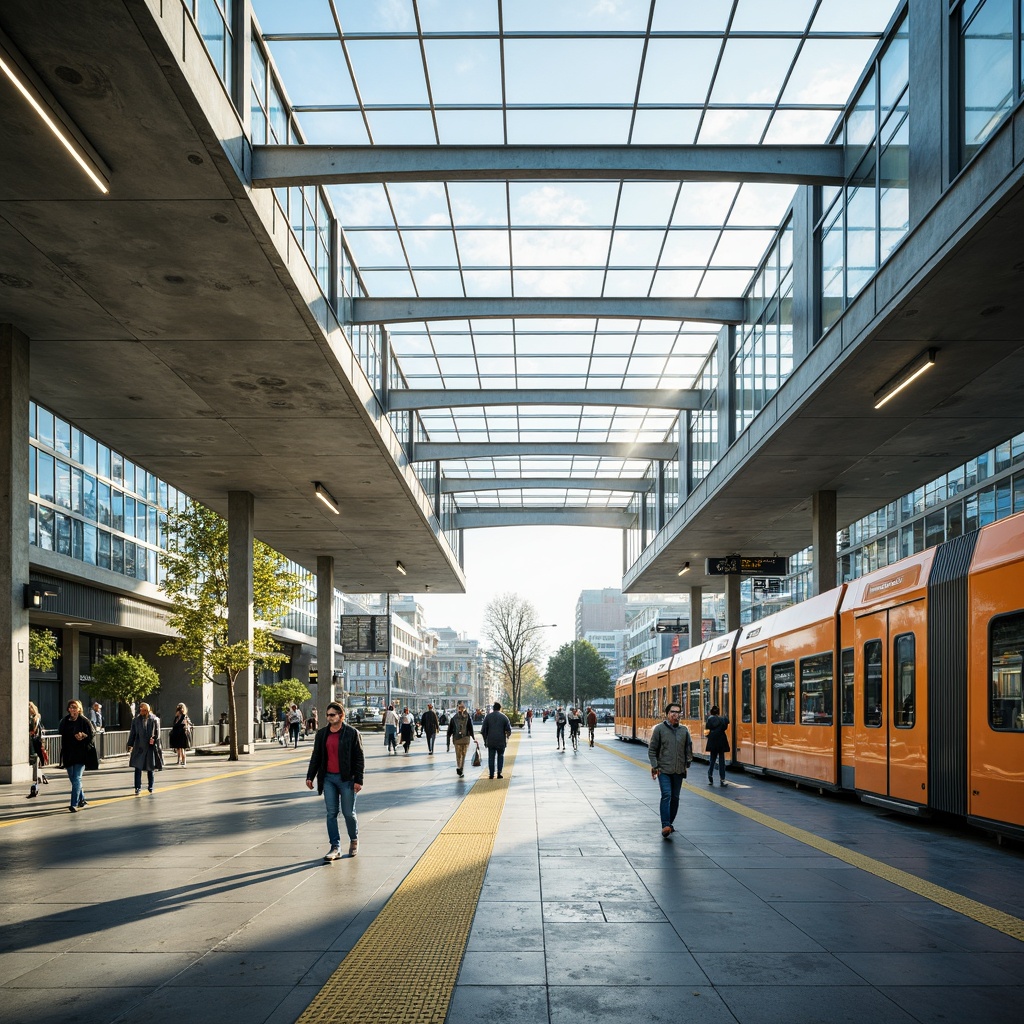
(423, 929)
(980, 912)
(103, 801)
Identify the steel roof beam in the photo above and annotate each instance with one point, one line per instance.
(487, 518)
(451, 398)
(433, 451)
(462, 484)
(406, 310)
(283, 166)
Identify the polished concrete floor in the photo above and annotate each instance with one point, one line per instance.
(208, 901)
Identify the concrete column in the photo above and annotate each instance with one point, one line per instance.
(726, 390)
(241, 618)
(241, 32)
(696, 615)
(823, 537)
(931, 152)
(324, 635)
(71, 668)
(732, 601)
(14, 397)
(685, 456)
(806, 289)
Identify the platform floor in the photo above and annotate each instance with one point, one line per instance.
(208, 902)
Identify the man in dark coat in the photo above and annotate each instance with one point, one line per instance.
(337, 765)
(717, 745)
(495, 731)
(430, 726)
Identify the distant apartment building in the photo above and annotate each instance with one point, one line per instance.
(459, 669)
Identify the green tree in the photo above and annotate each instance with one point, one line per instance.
(284, 693)
(637, 661)
(533, 694)
(592, 678)
(196, 584)
(511, 627)
(123, 677)
(42, 649)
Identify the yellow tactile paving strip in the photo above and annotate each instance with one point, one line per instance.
(424, 927)
(997, 919)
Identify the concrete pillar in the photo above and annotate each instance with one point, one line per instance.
(823, 537)
(14, 397)
(696, 615)
(324, 635)
(241, 618)
(685, 456)
(732, 601)
(71, 668)
(659, 497)
(806, 288)
(932, 161)
(726, 390)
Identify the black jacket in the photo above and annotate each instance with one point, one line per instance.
(718, 740)
(74, 751)
(452, 735)
(350, 756)
(429, 723)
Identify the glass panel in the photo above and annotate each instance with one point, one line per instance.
(745, 695)
(784, 693)
(762, 695)
(987, 72)
(903, 692)
(1006, 642)
(846, 693)
(816, 690)
(873, 684)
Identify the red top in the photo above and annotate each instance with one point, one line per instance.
(333, 740)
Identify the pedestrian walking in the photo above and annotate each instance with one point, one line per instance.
(337, 765)
(294, 719)
(77, 751)
(460, 732)
(717, 745)
(529, 722)
(96, 716)
(575, 718)
(37, 756)
(431, 727)
(145, 752)
(560, 720)
(591, 723)
(495, 732)
(391, 730)
(405, 727)
(670, 752)
(181, 733)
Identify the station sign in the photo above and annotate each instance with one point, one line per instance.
(767, 584)
(364, 637)
(745, 565)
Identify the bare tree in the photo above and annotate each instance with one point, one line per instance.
(511, 627)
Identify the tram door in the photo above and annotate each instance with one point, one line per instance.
(889, 714)
(752, 708)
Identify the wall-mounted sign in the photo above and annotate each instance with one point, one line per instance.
(364, 636)
(745, 565)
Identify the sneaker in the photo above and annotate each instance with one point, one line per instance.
(490, 776)
(32, 793)
(137, 790)
(83, 802)
(723, 783)
(332, 854)
(73, 809)
(353, 847)
(458, 771)
(500, 776)
(667, 831)
(711, 781)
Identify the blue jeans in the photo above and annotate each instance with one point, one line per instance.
(138, 779)
(344, 793)
(293, 731)
(431, 736)
(720, 757)
(670, 786)
(390, 737)
(75, 775)
(495, 754)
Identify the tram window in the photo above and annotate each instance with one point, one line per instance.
(654, 708)
(745, 695)
(816, 689)
(873, 684)
(762, 695)
(706, 693)
(725, 693)
(784, 693)
(904, 693)
(846, 691)
(676, 699)
(694, 701)
(715, 692)
(1005, 647)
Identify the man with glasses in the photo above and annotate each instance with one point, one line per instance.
(337, 765)
(670, 752)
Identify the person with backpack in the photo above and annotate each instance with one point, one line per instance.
(591, 723)
(717, 745)
(560, 721)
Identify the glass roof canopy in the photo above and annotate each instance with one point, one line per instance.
(558, 72)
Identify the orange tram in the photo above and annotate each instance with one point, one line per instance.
(903, 686)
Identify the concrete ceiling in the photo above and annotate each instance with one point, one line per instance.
(164, 318)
